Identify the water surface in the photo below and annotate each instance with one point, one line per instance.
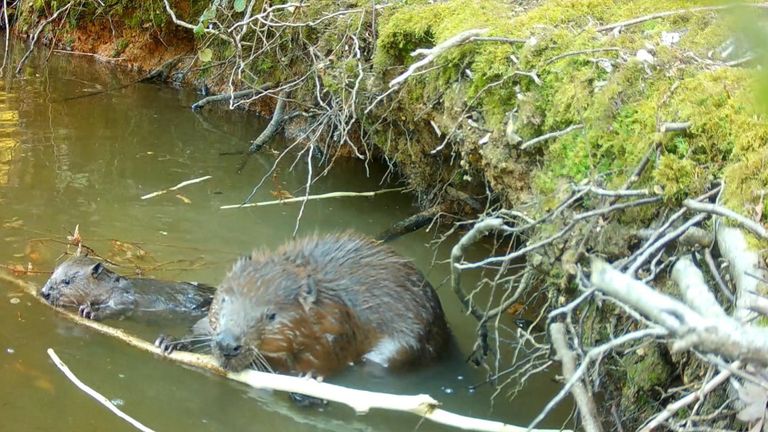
(88, 161)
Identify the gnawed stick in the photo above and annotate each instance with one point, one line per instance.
(178, 186)
(359, 400)
(313, 197)
(94, 394)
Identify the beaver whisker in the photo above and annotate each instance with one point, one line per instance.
(260, 362)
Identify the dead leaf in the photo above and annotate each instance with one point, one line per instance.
(515, 308)
(281, 194)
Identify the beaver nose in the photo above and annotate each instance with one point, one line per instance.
(228, 345)
(45, 292)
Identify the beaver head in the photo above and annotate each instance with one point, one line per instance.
(261, 315)
(81, 281)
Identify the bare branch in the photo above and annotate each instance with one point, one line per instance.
(549, 136)
(567, 358)
(753, 227)
(642, 19)
(432, 53)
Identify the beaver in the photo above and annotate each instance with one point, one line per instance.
(319, 304)
(97, 292)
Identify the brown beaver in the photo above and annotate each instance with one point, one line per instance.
(319, 304)
(97, 292)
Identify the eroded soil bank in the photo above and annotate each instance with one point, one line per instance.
(546, 114)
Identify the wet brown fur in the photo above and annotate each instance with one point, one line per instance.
(318, 304)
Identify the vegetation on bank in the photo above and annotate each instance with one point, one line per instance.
(669, 99)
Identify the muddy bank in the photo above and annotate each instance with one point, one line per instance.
(583, 127)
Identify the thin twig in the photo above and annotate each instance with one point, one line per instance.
(642, 19)
(94, 394)
(432, 53)
(313, 197)
(178, 186)
(549, 136)
(37, 33)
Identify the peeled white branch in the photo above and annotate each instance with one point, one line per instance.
(742, 262)
(694, 289)
(94, 394)
(720, 335)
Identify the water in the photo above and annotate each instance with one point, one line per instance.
(87, 161)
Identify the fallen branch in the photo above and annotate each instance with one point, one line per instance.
(642, 19)
(584, 400)
(269, 132)
(551, 135)
(230, 96)
(178, 186)
(94, 394)
(432, 53)
(313, 197)
(37, 33)
(361, 401)
(273, 126)
(410, 224)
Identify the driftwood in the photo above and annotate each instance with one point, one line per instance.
(230, 96)
(361, 401)
(278, 118)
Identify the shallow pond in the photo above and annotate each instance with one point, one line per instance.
(88, 161)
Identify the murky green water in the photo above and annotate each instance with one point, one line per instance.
(87, 161)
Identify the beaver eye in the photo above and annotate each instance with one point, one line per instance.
(66, 281)
(271, 316)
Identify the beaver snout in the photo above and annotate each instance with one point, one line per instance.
(228, 345)
(46, 292)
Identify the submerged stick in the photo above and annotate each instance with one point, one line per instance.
(313, 197)
(361, 401)
(94, 394)
(178, 186)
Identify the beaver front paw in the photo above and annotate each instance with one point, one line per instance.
(87, 311)
(169, 344)
(305, 401)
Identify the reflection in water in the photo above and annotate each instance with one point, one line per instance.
(88, 161)
(9, 125)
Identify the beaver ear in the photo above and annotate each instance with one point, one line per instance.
(308, 293)
(96, 270)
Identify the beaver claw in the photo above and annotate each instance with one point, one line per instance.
(87, 312)
(168, 344)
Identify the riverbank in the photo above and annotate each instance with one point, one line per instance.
(582, 125)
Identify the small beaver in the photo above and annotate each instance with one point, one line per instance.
(319, 304)
(98, 292)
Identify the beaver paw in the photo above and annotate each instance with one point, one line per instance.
(168, 344)
(305, 401)
(87, 312)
